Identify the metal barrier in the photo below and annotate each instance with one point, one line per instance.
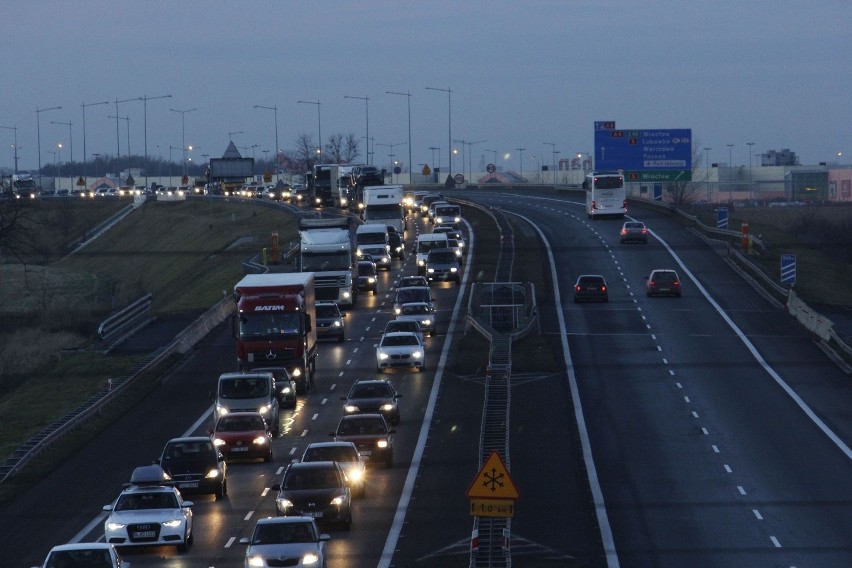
(127, 321)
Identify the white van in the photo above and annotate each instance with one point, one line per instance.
(425, 243)
(248, 392)
(371, 235)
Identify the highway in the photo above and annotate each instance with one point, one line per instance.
(719, 432)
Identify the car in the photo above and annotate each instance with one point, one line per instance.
(368, 175)
(249, 391)
(430, 213)
(400, 349)
(454, 233)
(378, 253)
(397, 249)
(330, 321)
(427, 201)
(591, 287)
(404, 325)
(345, 454)
(285, 387)
(318, 490)
(84, 555)
(195, 465)
(243, 435)
(422, 313)
(367, 277)
(412, 294)
(633, 231)
(412, 282)
(373, 395)
(663, 282)
(370, 434)
(454, 245)
(150, 511)
(442, 264)
(285, 541)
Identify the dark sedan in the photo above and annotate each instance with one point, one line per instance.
(195, 465)
(370, 434)
(373, 396)
(591, 287)
(315, 489)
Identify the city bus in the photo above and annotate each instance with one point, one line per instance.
(606, 195)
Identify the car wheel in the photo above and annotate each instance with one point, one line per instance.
(187, 542)
(347, 524)
(221, 490)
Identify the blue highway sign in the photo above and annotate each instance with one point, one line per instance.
(788, 269)
(661, 150)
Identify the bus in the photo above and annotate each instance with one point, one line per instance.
(606, 195)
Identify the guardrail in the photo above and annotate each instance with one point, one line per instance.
(126, 321)
(182, 343)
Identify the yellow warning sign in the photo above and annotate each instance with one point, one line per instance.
(493, 481)
(492, 508)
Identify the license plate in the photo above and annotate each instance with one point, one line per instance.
(314, 514)
(144, 534)
(366, 453)
(665, 290)
(188, 485)
(240, 449)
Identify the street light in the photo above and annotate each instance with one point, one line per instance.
(59, 174)
(38, 135)
(14, 129)
(366, 100)
(750, 176)
(319, 125)
(84, 105)
(183, 133)
(391, 146)
(521, 151)
(275, 110)
(449, 92)
(469, 155)
(230, 134)
(70, 138)
(126, 118)
(145, 99)
(408, 95)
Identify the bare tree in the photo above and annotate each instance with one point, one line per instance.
(687, 192)
(18, 230)
(305, 151)
(350, 149)
(333, 150)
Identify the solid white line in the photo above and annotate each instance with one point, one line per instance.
(607, 538)
(417, 457)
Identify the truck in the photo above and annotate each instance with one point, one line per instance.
(331, 185)
(275, 323)
(24, 186)
(326, 250)
(383, 205)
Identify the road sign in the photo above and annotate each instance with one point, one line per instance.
(722, 218)
(490, 168)
(492, 507)
(459, 179)
(493, 481)
(397, 170)
(661, 151)
(669, 175)
(788, 269)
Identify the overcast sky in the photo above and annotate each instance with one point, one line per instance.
(774, 72)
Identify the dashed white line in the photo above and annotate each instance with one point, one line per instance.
(292, 451)
(741, 490)
(314, 417)
(265, 492)
(757, 514)
(248, 515)
(304, 433)
(324, 401)
(728, 468)
(694, 414)
(230, 542)
(686, 399)
(715, 448)
(705, 432)
(775, 542)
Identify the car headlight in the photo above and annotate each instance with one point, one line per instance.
(417, 355)
(454, 269)
(255, 561)
(336, 323)
(343, 201)
(421, 262)
(173, 523)
(383, 356)
(286, 390)
(115, 526)
(283, 504)
(371, 280)
(426, 322)
(264, 409)
(296, 372)
(398, 249)
(310, 558)
(346, 294)
(260, 441)
(430, 270)
(337, 501)
(350, 408)
(387, 407)
(382, 443)
(355, 474)
(397, 311)
(218, 442)
(221, 410)
(212, 474)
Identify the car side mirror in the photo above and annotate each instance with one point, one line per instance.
(275, 486)
(244, 540)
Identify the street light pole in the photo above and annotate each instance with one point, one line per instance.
(366, 100)
(275, 110)
(145, 99)
(750, 176)
(449, 92)
(470, 156)
(14, 129)
(410, 164)
(183, 132)
(70, 139)
(495, 156)
(84, 105)
(730, 172)
(38, 135)
(707, 168)
(319, 125)
(462, 142)
(553, 150)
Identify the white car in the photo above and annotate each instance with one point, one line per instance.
(149, 512)
(422, 313)
(84, 554)
(400, 349)
(285, 541)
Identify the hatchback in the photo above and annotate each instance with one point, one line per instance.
(663, 282)
(633, 231)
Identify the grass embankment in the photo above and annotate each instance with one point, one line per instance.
(184, 253)
(820, 237)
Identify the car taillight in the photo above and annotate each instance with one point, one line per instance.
(624, 205)
(644, 231)
(676, 283)
(623, 231)
(578, 288)
(594, 205)
(651, 283)
(603, 288)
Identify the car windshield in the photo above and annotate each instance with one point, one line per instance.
(177, 451)
(591, 280)
(244, 388)
(240, 424)
(399, 340)
(360, 427)
(423, 247)
(142, 501)
(331, 453)
(283, 533)
(377, 390)
(402, 326)
(327, 311)
(406, 295)
(414, 310)
(371, 238)
(442, 257)
(311, 479)
(99, 558)
(268, 324)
